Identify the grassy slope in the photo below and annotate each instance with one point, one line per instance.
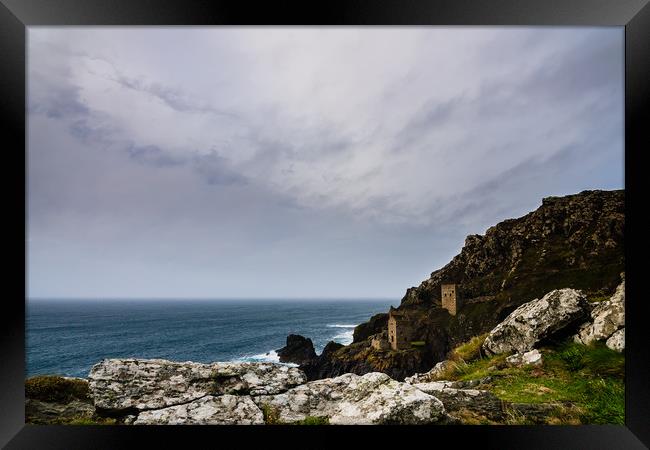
(586, 383)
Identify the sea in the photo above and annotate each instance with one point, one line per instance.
(67, 337)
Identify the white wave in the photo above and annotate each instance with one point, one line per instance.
(344, 338)
(341, 325)
(271, 357)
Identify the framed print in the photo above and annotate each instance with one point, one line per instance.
(356, 219)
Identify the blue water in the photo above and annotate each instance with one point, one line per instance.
(67, 337)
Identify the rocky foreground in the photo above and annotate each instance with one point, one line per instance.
(155, 391)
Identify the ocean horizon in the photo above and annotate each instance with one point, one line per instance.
(68, 336)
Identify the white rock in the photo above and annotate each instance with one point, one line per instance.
(531, 358)
(143, 384)
(606, 318)
(537, 320)
(431, 375)
(455, 400)
(617, 341)
(373, 398)
(222, 410)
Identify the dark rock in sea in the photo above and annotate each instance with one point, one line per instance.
(298, 350)
(330, 348)
(376, 324)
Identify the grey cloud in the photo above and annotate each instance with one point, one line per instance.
(216, 170)
(288, 192)
(174, 98)
(434, 114)
(61, 102)
(153, 155)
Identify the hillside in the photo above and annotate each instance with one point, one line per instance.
(574, 241)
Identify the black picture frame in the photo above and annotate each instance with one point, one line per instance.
(16, 15)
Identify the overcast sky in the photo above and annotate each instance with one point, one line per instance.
(301, 162)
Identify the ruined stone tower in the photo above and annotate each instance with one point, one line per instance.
(451, 299)
(397, 329)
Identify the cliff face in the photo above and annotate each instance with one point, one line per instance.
(574, 241)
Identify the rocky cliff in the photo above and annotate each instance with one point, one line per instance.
(574, 242)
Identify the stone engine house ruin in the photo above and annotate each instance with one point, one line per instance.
(451, 298)
(397, 328)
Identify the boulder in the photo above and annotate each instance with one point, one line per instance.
(330, 348)
(617, 341)
(434, 374)
(376, 324)
(531, 358)
(119, 385)
(537, 320)
(373, 398)
(210, 410)
(606, 318)
(298, 350)
(478, 402)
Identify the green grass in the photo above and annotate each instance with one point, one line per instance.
(418, 344)
(591, 378)
(604, 402)
(469, 350)
(595, 360)
(585, 382)
(313, 420)
(480, 368)
(51, 388)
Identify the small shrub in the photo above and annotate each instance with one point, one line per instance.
(314, 420)
(51, 388)
(469, 350)
(271, 414)
(514, 417)
(571, 354)
(598, 298)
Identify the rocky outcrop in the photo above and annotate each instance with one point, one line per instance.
(617, 340)
(458, 401)
(376, 324)
(145, 392)
(433, 375)
(536, 321)
(606, 319)
(573, 241)
(51, 399)
(40, 412)
(373, 398)
(210, 410)
(161, 392)
(531, 358)
(132, 385)
(361, 358)
(298, 350)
